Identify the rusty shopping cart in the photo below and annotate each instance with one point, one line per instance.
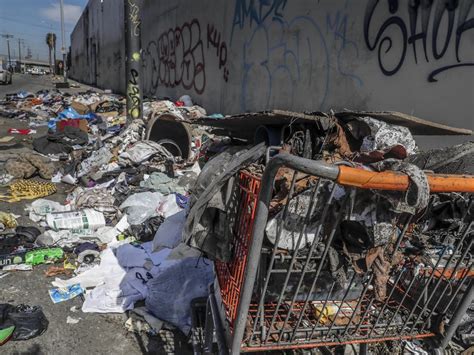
(304, 274)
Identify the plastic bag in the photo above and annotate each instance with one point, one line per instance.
(41, 207)
(29, 321)
(63, 294)
(141, 206)
(168, 206)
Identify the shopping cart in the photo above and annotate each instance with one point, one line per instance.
(283, 288)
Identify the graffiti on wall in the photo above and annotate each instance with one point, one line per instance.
(177, 58)
(214, 39)
(436, 43)
(255, 12)
(135, 16)
(285, 60)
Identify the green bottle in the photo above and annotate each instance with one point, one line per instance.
(40, 256)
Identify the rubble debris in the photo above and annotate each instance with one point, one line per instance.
(72, 320)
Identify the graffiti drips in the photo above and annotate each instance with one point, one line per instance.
(214, 40)
(428, 12)
(255, 11)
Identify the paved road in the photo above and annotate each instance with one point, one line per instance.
(95, 333)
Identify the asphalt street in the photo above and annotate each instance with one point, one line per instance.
(94, 333)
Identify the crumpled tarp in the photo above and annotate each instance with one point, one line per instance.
(206, 226)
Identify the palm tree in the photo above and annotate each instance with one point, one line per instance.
(51, 42)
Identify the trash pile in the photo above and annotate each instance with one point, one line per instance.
(116, 236)
(140, 227)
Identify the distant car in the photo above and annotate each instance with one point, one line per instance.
(35, 71)
(5, 74)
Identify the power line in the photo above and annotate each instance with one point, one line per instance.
(34, 25)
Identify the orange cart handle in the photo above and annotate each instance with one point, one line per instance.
(395, 181)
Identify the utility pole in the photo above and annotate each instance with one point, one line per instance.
(19, 53)
(8, 36)
(65, 84)
(133, 67)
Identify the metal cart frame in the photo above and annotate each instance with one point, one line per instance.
(295, 323)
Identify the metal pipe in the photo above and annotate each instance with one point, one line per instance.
(221, 342)
(208, 329)
(272, 260)
(133, 66)
(456, 319)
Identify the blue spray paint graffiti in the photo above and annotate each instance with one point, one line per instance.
(337, 25)
(255, 11)
(292, 60)
(284, 61)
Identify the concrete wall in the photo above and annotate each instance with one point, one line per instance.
(303, 55)
(97, 46)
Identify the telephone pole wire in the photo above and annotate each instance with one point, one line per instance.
(8, 36)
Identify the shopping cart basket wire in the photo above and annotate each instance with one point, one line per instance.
(289, 321)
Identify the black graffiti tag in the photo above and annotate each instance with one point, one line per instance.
(180, 58)
(214, 40)
(133, 93)
(428, 12)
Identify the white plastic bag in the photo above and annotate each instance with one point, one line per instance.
(141, 206)
(41, 207)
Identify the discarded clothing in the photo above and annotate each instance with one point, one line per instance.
(28, 164)
(384, 135)
(170, 293)
(418, 193)
(60, 142)
(162, 183)
(100, 200)
(170, 231)
(143, 151)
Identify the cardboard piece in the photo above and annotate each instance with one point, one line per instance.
(80, 108)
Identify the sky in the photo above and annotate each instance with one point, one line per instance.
(31, 20)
